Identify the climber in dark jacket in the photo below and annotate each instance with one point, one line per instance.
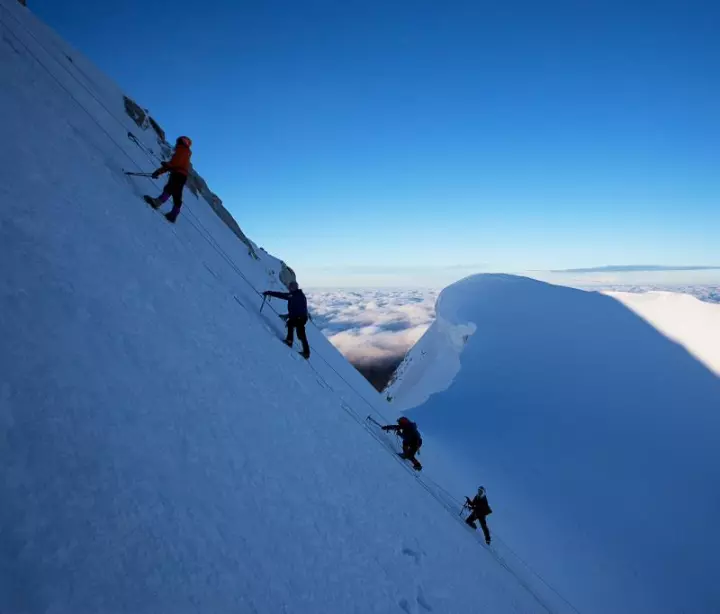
(479, 510)
(411, 440)
(297, 315)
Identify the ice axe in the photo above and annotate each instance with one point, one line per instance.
(137, 174)
(263, 303)
(371, 419)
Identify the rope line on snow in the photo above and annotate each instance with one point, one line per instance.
(450, 508)
(43, 65)
(538, 576)
(206, 234)
(453, 504)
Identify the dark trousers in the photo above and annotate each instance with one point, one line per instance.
(298, 323)
(481, 518)
(410, 449)
(174, 187)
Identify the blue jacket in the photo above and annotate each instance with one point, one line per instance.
(297, 303)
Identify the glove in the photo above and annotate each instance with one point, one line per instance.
(266, 293)
(156, 174)
(385, 428)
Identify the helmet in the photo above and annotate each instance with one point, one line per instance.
(403, 420)
(183, 140)
(481, 491)
(293, 285)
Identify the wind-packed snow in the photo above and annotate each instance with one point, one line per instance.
(160, 449)
(693, 323)
(433, 362)
(595, 434)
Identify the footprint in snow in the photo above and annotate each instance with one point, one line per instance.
(405, 605)
(422, 602)
(416, 555)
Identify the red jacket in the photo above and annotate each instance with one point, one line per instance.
(179, 163)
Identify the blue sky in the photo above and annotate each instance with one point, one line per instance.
(374, 143)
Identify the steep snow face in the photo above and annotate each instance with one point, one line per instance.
(595, 435)
(160, 449)
(692, 323)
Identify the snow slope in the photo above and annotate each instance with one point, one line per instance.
(595, 435)
(692, 323)
(160, 449)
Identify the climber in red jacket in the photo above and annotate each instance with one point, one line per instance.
(178, 167)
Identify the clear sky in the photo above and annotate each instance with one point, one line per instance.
(404, 141)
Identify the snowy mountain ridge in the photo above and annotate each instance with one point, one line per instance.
(595, 432)
(161, 450)
(690, 318)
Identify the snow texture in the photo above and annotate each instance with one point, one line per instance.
(706, 293)
(691, 322)
(594, 433)
(160, 449)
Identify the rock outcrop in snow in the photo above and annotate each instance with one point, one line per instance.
(596, 435)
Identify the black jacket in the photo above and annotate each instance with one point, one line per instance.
(479, 505)
(297, 303)
(409, 433)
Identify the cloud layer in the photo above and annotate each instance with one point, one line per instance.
(373, 326)
(376, 327)
(634, 268)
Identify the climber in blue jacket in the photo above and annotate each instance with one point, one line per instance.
(297, 315)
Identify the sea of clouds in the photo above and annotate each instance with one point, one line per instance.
(374, 325)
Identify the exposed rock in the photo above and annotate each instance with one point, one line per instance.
(380, 372)
(158, 130)
(136, 113)
(287, 275)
